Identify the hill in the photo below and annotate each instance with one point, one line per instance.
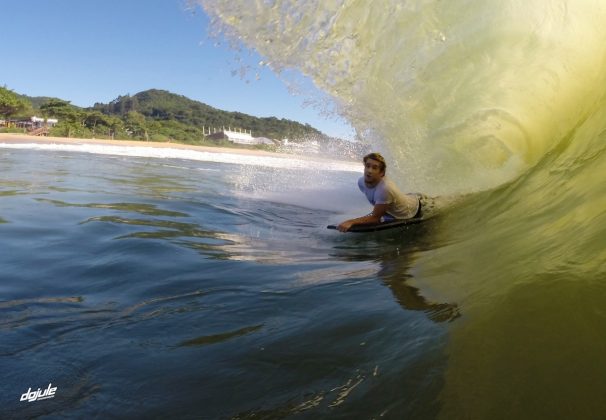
(157, 115)
(36, 101)
(162, 106)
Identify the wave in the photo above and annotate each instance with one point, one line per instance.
(505, 99)
(465, 95)
(501, 98)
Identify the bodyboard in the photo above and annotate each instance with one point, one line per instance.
(374, 227)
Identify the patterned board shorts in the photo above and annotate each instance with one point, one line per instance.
(427, 206)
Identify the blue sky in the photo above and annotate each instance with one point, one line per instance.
(88, 51)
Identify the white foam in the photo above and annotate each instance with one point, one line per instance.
(188, 154)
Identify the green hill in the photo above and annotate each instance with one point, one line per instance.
(36, 101)
(156, 115)
(161, 106)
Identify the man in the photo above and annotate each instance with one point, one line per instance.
(388, 201)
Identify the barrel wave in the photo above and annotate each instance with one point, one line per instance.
(503, 99)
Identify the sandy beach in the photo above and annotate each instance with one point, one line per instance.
(24, 138)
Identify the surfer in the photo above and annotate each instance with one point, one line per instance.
(389, 202)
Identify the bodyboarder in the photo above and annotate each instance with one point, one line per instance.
(389, 202)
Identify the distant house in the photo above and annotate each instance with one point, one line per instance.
(239, 137)
(34, 123)
(38, 122)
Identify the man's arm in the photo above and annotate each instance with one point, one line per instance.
(378, 211)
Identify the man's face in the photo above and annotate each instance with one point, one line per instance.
(372, 172)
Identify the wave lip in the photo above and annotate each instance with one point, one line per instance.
(466, 94)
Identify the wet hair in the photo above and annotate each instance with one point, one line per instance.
(378, 158)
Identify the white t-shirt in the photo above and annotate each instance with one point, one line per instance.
(399, 205)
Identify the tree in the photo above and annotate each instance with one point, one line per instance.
(114, 125)
(10, 103)
(94, 118)
(136, 125)
(70, 117)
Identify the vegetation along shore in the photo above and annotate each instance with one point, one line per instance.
(154, 116)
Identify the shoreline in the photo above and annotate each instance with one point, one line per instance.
(16, 138)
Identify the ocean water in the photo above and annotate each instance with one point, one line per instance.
(143, 286)
(163, 286)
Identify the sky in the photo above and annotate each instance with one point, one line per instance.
(87, 51)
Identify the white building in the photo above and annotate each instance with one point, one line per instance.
(37, 122)
(239, 137)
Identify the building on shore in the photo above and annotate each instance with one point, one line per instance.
(38, 122)
(32, 123)
(238, 137)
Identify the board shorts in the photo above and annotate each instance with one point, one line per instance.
(426, 207)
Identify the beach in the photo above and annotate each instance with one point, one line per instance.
(12, 138)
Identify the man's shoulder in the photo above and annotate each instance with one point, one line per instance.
(386, 184)
(361, 184)
(389, 184)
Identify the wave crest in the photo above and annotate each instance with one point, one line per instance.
(465, 94)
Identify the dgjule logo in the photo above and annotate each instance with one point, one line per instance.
(31, 396)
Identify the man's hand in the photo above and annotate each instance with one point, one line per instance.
(344, 227)
(375, 217)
